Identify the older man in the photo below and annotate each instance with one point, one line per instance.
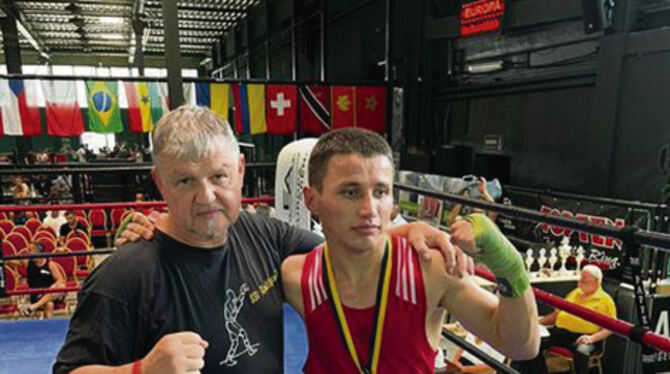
(569, 331)
(203, 294)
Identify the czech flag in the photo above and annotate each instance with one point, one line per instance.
(20, 115)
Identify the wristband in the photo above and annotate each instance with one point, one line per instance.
(137, 367)
(122, 227)
(499, 255)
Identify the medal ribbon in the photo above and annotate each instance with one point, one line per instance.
(381, 302)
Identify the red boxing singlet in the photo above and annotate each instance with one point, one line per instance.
(404, 345)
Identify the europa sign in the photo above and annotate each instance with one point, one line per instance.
(481, 16)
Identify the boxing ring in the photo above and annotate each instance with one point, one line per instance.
(632, 238)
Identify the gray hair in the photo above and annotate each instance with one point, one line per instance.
(191, 133)
(594, 271)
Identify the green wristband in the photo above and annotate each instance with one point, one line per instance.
(122, 227)
(499, 255)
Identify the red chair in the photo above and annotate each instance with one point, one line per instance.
(25, 232)
(83, 262)
(22, 269)
(595, 360)
(3, 215)
(98, 219)
(48, 243)
(8, 248)
(79, 213)
(78, 234)
(33, 225)
(44, 234)
(117, 215)
(84, 222)
(69, 266)
(18, 240)
(6, 225)
(9, 306)
(47, 229)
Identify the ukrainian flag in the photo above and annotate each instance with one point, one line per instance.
(215, 96)
(250, 108)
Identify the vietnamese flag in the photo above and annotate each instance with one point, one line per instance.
(282, 108)
(371, 108)
(63, 113)
(343, 104)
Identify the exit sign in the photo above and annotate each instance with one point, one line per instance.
(481, 16)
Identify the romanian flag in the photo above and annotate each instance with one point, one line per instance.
(104, 115)
(215, 96)
(250, 108)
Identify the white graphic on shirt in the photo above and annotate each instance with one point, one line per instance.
(231, 308)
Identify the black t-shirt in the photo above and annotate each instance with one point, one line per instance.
(229, 295)
(66, 229)
(39, 276)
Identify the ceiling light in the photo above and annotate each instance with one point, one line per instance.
(111, 36)
(111, 20)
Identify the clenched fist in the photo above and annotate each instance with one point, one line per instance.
(463, 236)
(178, 353)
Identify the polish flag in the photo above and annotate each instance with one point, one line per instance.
(63, 112)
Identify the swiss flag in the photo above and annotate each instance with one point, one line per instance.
(281, 108)
(371, 108)
(314, 109)
(343, 102)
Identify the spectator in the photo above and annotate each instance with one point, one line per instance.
(484, 195)
(19, 188)
(72, 225)
(571, 332)
(55, 219)
(42, 273)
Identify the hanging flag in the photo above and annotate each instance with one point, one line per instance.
(104, 115)
(371, 108)
(140, 111)
(189, 93)
(220, 99)
(343, 106)
(215, 96)
(159, 105)
(18, 105)
(249, 108)
(282, 108)
(63, 112)
(314, 109)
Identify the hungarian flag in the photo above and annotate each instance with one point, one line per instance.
(18, 106)
(344, 106)
(104, 115)
(314, 109)
(282, 108)
(63, 112)
(144, 105)
(250, 108)
(371, 108)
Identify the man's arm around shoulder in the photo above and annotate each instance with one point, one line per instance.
(291, 275)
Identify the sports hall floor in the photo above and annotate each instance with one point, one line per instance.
(30, 346)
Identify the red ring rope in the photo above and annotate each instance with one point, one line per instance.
(615, 325)
(152, 204)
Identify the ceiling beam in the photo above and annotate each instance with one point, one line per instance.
(10, 8)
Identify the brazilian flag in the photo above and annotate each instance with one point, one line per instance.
(104, 115)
